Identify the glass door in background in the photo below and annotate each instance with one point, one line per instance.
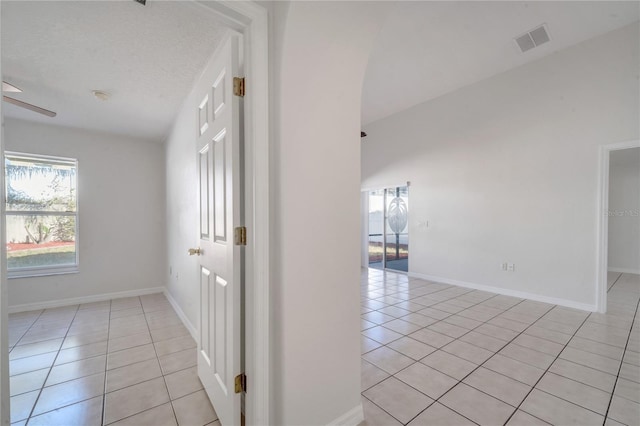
(397, 229)
(389, 228)
(376, 229)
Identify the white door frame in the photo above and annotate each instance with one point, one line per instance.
(250, 19)
(4, 305)
(603, 220)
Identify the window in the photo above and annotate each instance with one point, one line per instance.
(41, 215)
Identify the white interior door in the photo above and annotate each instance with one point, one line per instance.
(218, 151)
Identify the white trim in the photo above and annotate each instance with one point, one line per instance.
(5, 417)
(378, 187)
(624, 270)
(43, 271)
(508, 292)
(251, 19)
(83, 299)
(603, 221)
(364, 227)
(176, 307)
(352, 417)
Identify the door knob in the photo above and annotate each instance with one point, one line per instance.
(195, 251)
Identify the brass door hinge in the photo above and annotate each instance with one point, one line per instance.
(238, 86)
(240, 236)
(241, 383)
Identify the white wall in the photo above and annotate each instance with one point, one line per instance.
(624, 211)
(316, 204)
(182, 211)
(506, 170)
(121, 212)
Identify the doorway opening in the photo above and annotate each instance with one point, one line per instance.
(615, 231)
(250, 20)
(388, 228)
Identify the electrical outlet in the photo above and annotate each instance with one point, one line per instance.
(503, 266)
(511, 267)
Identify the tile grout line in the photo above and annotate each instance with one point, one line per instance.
(63, 338)
(511, 341)
(125, 387)
(530, 325)
(437, 321)
(144, 381)
(614, 283)
(486, 322)
(148, 380)
(621, 361)
(436, 349)
(481, 364)
(412, 419)
(459, 381)
(28, 418)
(384, 345)
(164, 380)
(106, 364)
(547, 370)
(28, 329)
(151, 408)
(66, 381)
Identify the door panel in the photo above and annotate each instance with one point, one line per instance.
(218, 149)
(203, 115)
(204, 172)
(219, 93)
(205, 283)
(221, 326)
(219, 189)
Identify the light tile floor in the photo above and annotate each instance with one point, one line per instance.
(436, 354)
(121, 362)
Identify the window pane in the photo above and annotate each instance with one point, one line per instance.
(40, 184)
(38, 240)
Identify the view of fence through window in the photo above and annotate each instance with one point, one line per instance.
(41, 212)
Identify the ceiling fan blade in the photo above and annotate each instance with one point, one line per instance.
(7, 87)
(29, 106)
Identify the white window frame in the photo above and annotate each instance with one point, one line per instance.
(40, 271)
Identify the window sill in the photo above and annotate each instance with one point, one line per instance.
(42, 272)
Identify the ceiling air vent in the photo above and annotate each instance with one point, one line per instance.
(533, 38)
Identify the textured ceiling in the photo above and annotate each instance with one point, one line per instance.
(426, 49)
(146, 57)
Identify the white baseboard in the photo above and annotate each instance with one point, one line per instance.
(352, 417)
(84, 299)
(509, 292)
(182, 315)
(625, 270)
